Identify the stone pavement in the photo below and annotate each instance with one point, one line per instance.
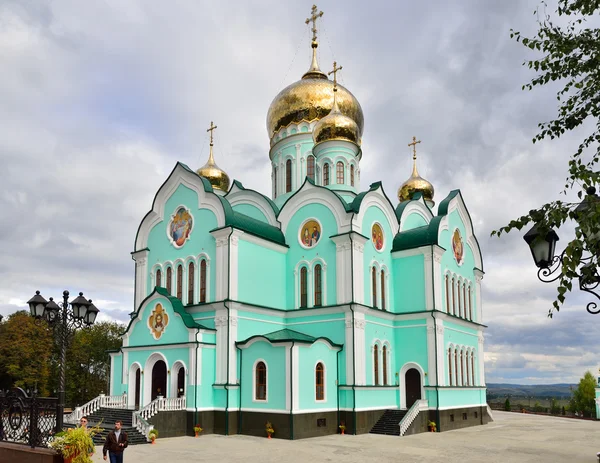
(512, 437)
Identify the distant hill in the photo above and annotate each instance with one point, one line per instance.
(527, 390)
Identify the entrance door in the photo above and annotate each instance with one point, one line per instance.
(181, 382)
(159, 379)
(137, 388)
(412, 386)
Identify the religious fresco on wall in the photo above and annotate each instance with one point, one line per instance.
(377, 236)
(310, 233)
(457, 246)
(180, 226)
(158, 321)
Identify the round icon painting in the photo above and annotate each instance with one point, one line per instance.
(180, 226)
(377, 236)
(310, 233)
(457, 246)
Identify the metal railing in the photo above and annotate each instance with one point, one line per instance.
(412, 413)
(102, 401)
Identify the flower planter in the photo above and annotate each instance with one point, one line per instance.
(196, 434)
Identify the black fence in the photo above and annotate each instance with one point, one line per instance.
(27, 420)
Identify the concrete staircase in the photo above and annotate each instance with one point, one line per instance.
(389, 423)
(107, 417)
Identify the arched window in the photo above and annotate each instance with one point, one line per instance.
(383, 291)
(179, 281)
(260, 392)
(458, 297)
(453, 297)
(288, 176)
(352, 175)
(158, 277)
(470, 305)
(320, 382)
(447, 295)
(456, 366)
(374, 285)
(310, 167)
(203, 281)
(169, 280)
(318, 287)
(450, 366)
(473, 367)
(191, 276)
(468, 376)
(275, 182)
(385, 365)
(462, 368)
(376, 364)
(340, 172)
(326, 174)
(303, 287)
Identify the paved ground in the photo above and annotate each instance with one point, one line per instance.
(512, 437)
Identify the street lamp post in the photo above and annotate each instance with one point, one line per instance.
(82, 313)
(550, 265)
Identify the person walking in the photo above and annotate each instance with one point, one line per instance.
(116, 443)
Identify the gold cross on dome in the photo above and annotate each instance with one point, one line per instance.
(334, 72)
(210, 129)
(313, 18)
(414, 145)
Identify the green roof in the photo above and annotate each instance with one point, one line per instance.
(417, 237)
(287, 335)
(177, 307)
(269, 200)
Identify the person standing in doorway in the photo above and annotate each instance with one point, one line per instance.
(116, 443)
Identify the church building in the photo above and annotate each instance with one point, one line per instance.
(326, 303)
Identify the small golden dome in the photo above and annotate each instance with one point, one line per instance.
(217, 177)
(416, 183)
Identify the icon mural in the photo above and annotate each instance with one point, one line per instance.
(457, 246)
(377, 236)
(310, 233)
(180, 226)
(158, 321)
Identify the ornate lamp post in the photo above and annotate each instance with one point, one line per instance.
(82, 313)
(550, 265)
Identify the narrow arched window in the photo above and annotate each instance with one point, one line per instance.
(261, 381)
(191, 276)
(169, 280)
(447, 295)
(203, 281)
(374, 285)
(465, 300)
(158, 277)
(340, 172)
(467, 375)
(352, 175)
(376, 364)
(303, 287)
(310, 167)
(275, 182)
(473, 367)
(288, 176)
(320, 382)
(456, 366)
(385, 365)
(179, 281)
(458, 298)
(383, 291)
(450, 367)
(318, 287)
(470, 305)
(462, 368)
(453, 297)
(326, 174)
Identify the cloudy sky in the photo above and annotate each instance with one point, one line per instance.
(100, 99)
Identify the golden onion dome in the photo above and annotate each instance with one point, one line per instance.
(416, 184)
(217, 177)
(311, 99)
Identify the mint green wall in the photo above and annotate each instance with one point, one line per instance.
(275, 359)
(251, 211)
(448, 263)
(161, 250)
(459, 336)
(413, 340)
(308, 356)
(206, 395)
(413, 220)
(408, 283)
(260, 324)
(458, 397)
(284, 151)
(261, 274)
(383, 258)
(174, 332)
(331, 154)
(382, 333)
(115, 375)
(324, 249)
(377, 397)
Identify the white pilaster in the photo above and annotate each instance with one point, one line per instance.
(480, 364)
(222, 262)
(349, 340)
(221, 354)
(232, 362)
(438, 283)
(141, 276)
(343, 271)
(295, 379)
(361, 353)
(358, 267)
(478, 309)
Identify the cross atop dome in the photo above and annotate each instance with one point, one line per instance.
(313, 18)
(314, 72)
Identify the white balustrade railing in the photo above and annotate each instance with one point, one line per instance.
(489, 410)
(140, 423)
(412, 413)
(159, 404)
(102, 401)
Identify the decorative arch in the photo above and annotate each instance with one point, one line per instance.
(376, 198)
(131, 385)
(320, 381)
(150, 362)
(407, 366)
(177, 366)
(415, 207)
(153, 276)
(259, 381)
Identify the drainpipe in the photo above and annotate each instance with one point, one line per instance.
(437, 391)
(353, 337)
(195, 379)
(337, 366)
(228, 331)
(240, 392)
(292, 392)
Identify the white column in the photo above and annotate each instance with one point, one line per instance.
(349, 340)
(478, 310)
(481, 373)
(342, 269)
(360, 350)
(221, 360)
(358, 268)
(232, 361)
(141, 276)
(438, 282)
(222, 263)
(295, 378)
(233, 264)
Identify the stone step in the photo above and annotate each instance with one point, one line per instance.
(389, 423)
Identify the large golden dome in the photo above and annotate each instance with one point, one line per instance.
(310, 99)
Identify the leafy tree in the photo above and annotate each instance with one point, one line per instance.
(25, 350)
(537, 407)
(570, 55)
(507, 405)
(583, 399)
(564, 412)
(554, 407)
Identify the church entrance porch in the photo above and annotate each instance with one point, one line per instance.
(159, 379)
(412, 385)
